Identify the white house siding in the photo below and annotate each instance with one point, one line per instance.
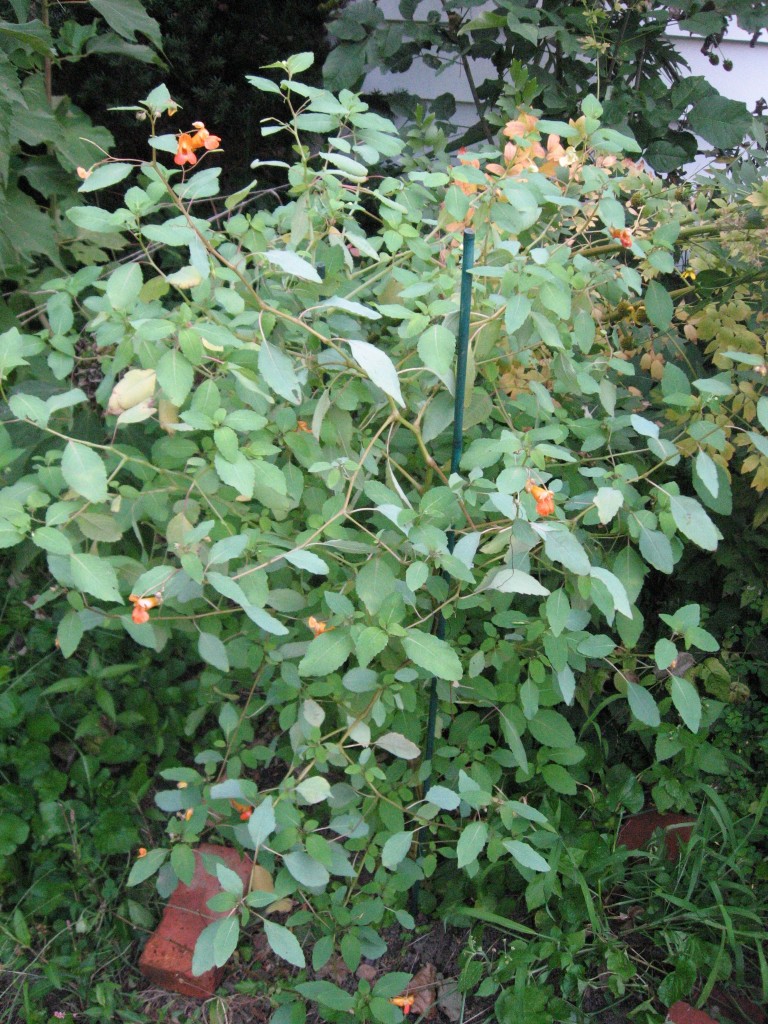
(748, 81)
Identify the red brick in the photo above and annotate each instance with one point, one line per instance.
(167, 957)
(684, 1013)
(637, 831)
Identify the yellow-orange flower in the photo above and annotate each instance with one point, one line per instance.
(624, 235)
(302, 426)
(404, 1002)
(317, 625)
(187, 144)
(544, 498)
(142, 852)
(141, 607)
(244, 810)
(82, 173)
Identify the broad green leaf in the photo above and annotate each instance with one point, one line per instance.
(659, 305)
(106, 175)
(183, 862)
(396, 849)
(293, 264)
(557, 609)
(656, 549)
(284, 943)
(175, 376)
(432, 654)
(551, 729)
(127, 17)
(562, 547)
(721, 122)
(437, 349)
(687, 701)
(559, 778)
(706, 470)
(693, 522)
(306, 870)
(327, 994)
(69, 633)
(614, 587)
(308, 561)
(213, 651)
(52, 540)
(94, 575)
(608, 501)
(443, 798)
(378, 367)
(642, 705)
(146, 866)
(397, 744)
(84, 471)
(314, 789)
(123, 288)
(326, 653)
(29, 407)
(514, 581)
(262, 823)
(471, 842)
(204, 955)
(664, 653)
(225, 939)
(279, 373)
(525, 855)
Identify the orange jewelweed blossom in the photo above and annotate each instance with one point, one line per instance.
(302, 427)
(544, 498)
(624, 235)
(187, 144)
(142, 852)
(244, 810)
(404, 1002)
(83, 174)
(141, 607)
(317, 625)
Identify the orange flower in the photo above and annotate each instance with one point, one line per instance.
(317, 625)
(545, 499)
(187, 144)
(404, 1002)
(141, 606)
(624, 235)
(142, 852)
(520, 127)
(302, 426)
(83, 174)
(244, 809)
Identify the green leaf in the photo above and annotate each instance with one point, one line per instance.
(443, 798)
(557, 610)
(293, 264)
(263, 85)
(95, 576)
(262, 823)
(658, 305)
(693, 522)
(124, 286)
(284, 943)
(514, 581)
(327, 994)
(225, 939)
(706, 470)
(127, 17)
(369, 642)
(104, 176)
(183, 862)
(69, 633)
(437, 349)
(204, 955)
(378, 367)
(84, 471)
(397, 744)
(561, 546)
(721, 122)
(51, 540)
(213, 651)
(306, 870)
(279, 373)
(656, 549)
(432, 654)
(326, 653)
(471, 842)
(175, 376)
(29, 407)
(664, 653)
(642, 705)
(551, 729)
(608, 501)
(146, 866)
(314, 790)
(687, 701)
(396, 849)
(559, 778)
(525, 855)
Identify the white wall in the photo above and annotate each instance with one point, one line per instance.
(748, 81)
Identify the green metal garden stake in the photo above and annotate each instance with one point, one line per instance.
(465, 307)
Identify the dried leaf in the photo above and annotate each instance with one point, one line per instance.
(449, 999)
(261, 880)
(423, 988)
